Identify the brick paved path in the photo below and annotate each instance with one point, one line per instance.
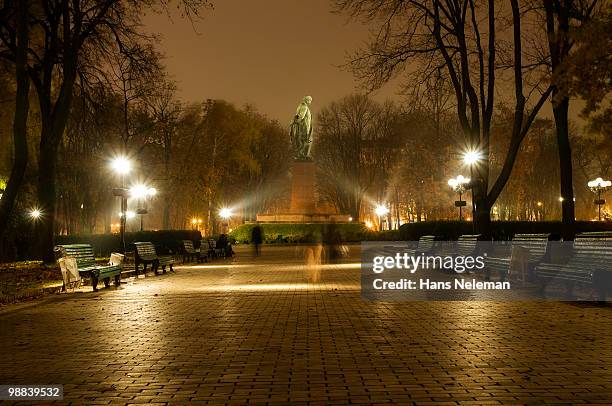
(260, 331)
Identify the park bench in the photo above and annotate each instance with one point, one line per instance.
(536, 251)
(591, 263)
(425, 245)
(466, 245)
(213, 251)
(87, 266)
(146, 254)
(191, 253)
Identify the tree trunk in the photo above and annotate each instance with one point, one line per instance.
(20, 131)
(560, 112)
(166, 219)
(481, 208)
(46, 198)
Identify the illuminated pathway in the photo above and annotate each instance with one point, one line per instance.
(261, 331)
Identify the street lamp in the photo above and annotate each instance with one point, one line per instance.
(121, 166)
(196, 223)
(472, 157)
(381, 210)
(599, 186)
(142, 193)
(35, 214)
(459, 185)
(540, 211)
(225, 213)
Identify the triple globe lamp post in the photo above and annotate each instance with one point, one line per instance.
(599, 186)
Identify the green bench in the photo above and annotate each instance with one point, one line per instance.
(465, 245)
(591, 263)
(146, 254)
(190, 253)
(87, 266)
(537, 250)
(426, 244)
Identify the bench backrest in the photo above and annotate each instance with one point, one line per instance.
(593, 248)
(426, 243)
(188, 245)
(145, 249)
(537, 244)
(82, 252)
(466, 244)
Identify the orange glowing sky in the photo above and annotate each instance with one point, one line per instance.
(268, 53)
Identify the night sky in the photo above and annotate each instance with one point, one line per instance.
(268, 53)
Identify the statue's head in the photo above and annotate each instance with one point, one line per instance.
(307, 100)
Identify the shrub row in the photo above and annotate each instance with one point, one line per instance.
(501, 230)
(165, 241)
(299, 232)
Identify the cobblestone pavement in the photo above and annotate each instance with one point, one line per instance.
(265, 331)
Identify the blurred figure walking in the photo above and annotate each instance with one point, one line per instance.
(257, 239)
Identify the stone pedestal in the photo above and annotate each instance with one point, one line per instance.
(303, 200)
(303, 207)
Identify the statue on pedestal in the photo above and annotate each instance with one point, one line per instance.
(300, 130)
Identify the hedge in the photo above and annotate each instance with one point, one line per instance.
(298, 232)
(501, 230)
(165, 241)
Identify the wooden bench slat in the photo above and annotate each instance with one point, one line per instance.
(591, 262)
(87, 266)
(146, 254)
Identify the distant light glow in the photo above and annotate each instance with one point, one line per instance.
(121, 165)
(142, 191)
(599, 183)
(369, 224)
(35, 214)
(130, 214)
(458, 183)
(381, 210)
(225, 213)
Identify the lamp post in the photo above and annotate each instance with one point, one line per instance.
(471, 158)
(225, 213)
(381, 210)
(540, 211)
(143, 194)
(599, 186)
(458, 185)
(122, 166)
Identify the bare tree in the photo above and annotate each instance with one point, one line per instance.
(15, 37)
(369, 135)
(560, 16)
(66, 31)
(165, 111)
(460, 38)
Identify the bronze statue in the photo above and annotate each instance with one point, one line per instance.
(300, 130)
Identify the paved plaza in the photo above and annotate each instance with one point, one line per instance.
(270, 330)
